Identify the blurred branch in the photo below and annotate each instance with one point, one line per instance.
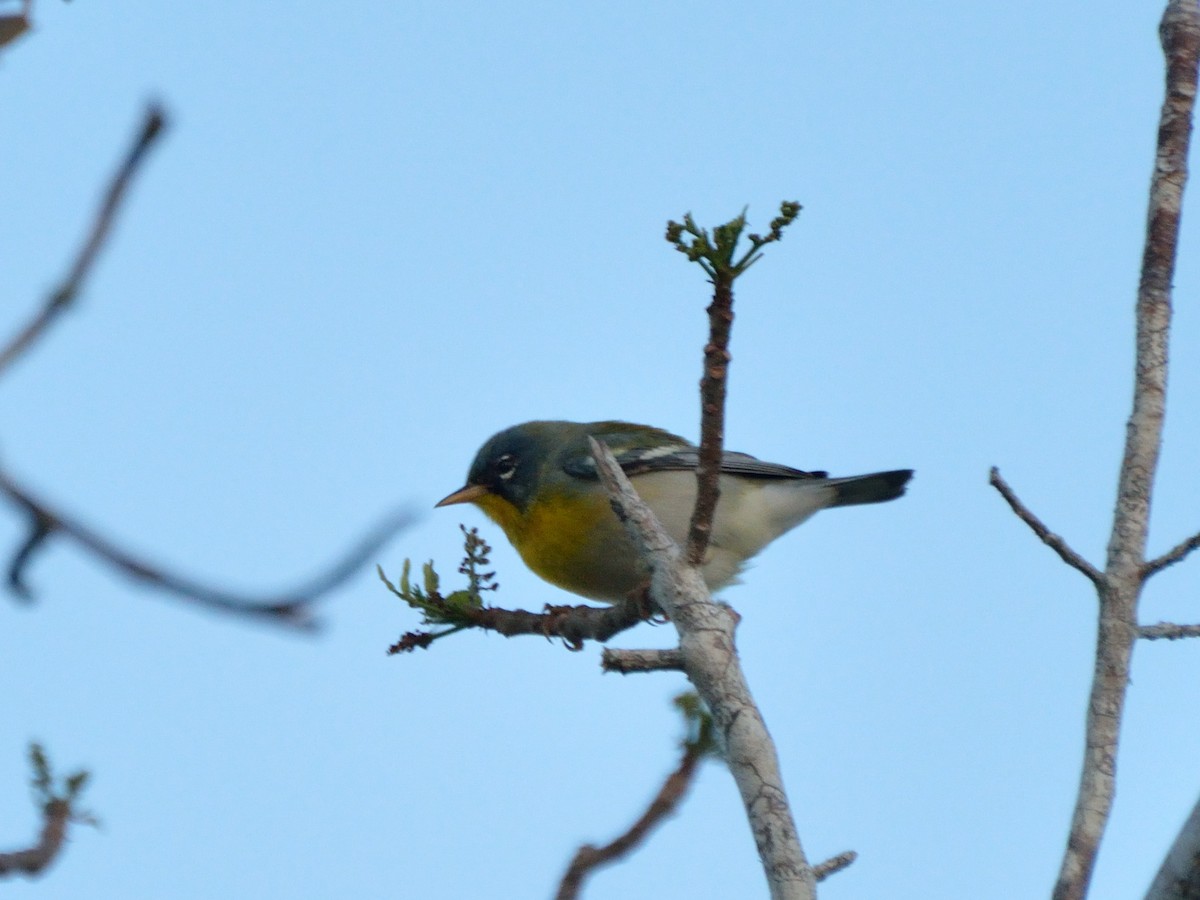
(627, 661)
(1179, 876)
(61, 298)
(13, 25)
(1167, 631)
(665, 802)
(1047, 537)
(58, 806)
(291, 608)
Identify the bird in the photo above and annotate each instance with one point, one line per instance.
(539, 483)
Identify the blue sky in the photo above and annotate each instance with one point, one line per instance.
(378, 233)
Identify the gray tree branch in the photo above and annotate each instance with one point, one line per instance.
(1125, 565)
(1179, 876)
(706, 641)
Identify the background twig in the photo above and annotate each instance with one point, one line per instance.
(61, 298)
(291, 608)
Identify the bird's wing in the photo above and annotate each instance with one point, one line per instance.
(665, 458)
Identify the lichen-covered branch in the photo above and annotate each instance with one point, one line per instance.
(1176, 554)
(706, 641)
(1167, 631)
(1125, 564)
(627, 661)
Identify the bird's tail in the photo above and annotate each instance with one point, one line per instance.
(874, 488)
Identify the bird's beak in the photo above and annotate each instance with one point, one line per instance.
(468, 494)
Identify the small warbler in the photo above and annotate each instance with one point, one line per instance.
(539, 483)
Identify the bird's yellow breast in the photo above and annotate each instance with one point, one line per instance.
(574, 541)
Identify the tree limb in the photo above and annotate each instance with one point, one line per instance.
(62, 297)
(1124, 571)
(58, 799)
(1172, 556)
(1167, 631)
(291, 608)
(572, 624)
(833, 865)
(706, 640)
(1047, 537)
(627, 661)
(56, 815)
(665, 802)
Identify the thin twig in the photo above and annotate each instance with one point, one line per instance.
(588, 858)
(60, 299)
(58, 800)
(833, 865)
(1167, 631)
(13, 25)
(1051, 540)
(56, 815)
(1172, 556)
(571, 624)
(627, 661)
(712, 415)
(291, 608)
(1124, 570)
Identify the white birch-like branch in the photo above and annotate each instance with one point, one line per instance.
(1125, 565)
(1038, 527)
(1172, 556)
(627, 661)
(1168, 631)
(1179, 876)
(706, 640)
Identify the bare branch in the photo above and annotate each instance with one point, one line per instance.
(1167, 631)
(56, 815)
(291, 608)
(58, 799)
(717, 255)
(665, 802)
(706, 640)
(1179, 876)
(61, 298)
(13, 25)
(833, 865)
(1051, 540)
(572, 624)
(1172, 556)
(1125, 566)
(627, 661)
(712, 416)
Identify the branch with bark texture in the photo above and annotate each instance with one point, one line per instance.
(1125, 571)
(706, 642)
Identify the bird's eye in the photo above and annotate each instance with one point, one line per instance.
(506, 465)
